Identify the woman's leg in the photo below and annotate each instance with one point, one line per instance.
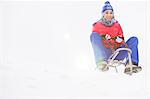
(133, 45)
(100, 51)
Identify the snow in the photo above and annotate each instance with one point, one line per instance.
(45, 51)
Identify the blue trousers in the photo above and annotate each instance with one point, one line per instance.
(103, 53)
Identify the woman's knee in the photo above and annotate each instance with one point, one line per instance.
(133, 40)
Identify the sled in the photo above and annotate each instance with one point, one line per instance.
(111, 62)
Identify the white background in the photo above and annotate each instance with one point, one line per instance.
(45, 50)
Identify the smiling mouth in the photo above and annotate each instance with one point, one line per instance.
(109, 19)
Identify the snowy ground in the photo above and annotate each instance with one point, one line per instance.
(45, 51)
(44, 81)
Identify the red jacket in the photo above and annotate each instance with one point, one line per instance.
(114, 31)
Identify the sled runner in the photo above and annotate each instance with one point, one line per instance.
(111, 62)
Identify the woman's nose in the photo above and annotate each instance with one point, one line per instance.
(109, 15)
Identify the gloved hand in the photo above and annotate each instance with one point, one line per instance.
(108, 37)
(119, 40)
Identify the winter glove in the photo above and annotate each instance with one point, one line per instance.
(118, 39)
(108, 37)
(121, 41)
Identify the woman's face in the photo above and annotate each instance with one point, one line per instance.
(108, 15)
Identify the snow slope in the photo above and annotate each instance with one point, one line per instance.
(45, 51)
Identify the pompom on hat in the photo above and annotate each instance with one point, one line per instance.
(107, 6)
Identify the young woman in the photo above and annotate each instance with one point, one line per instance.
(107, 36)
